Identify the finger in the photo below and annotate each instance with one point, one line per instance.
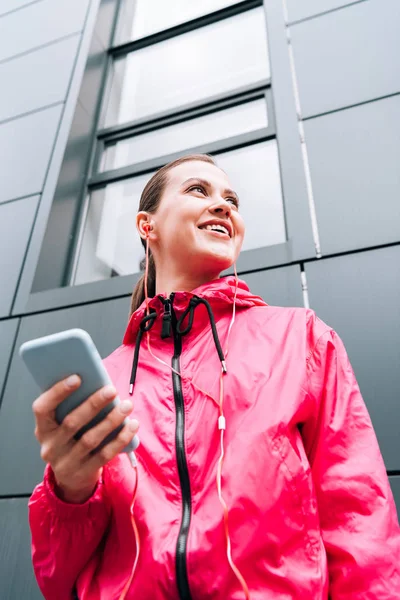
(60, 441)
(63, 438)
(73, 467)
(86, 412)
(91, 463)
(44, 406)
(92, 438)
(114, 447)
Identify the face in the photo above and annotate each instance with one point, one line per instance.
(198, 224)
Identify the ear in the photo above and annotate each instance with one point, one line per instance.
(145, 225)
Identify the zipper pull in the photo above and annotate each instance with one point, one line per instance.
(167, 320)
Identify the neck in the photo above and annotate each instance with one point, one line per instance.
(184, 282)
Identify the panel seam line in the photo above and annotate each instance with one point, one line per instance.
(325, 12)
(304, 152)
(40, 47)
(13, 10)
(31, 112)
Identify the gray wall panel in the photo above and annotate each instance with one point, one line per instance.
(37, 79)
(40, 23)
(106, 322)
(55, 249)
(395, 484)
(354, 162)
(359, 296)
(278, 287)
(347, 56)
(11, 5)
(16, 572)
(16, 217)
(25, 147)
(8, 329)
(60, 226)
(308, 8)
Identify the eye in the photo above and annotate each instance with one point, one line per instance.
(198, 188)
(233, 201)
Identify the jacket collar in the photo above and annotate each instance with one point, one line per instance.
(219, 293)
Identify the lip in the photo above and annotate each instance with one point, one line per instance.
(220, 222)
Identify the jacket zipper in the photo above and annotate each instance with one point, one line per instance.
(181, 546)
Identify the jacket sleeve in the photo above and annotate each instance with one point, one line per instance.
(357, 513)
(64, 536)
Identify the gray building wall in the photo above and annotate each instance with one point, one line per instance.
(347, 67)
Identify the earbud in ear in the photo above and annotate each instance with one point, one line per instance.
(147, 228)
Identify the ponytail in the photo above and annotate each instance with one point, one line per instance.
(138, 295)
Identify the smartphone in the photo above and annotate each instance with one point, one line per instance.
(55, 357)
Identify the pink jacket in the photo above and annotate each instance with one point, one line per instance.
(311, 512)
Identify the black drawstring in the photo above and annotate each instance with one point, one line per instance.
(148, 321)
(195, 301)
(145, 325)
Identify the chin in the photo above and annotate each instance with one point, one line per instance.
(215, 261)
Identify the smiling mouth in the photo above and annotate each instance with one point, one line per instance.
(217, 229)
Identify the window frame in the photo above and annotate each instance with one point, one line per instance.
(117, 133)
(282, 120)
(121, 49)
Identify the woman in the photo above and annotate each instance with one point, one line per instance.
(311, 514)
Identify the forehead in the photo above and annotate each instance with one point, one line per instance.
(202, 170)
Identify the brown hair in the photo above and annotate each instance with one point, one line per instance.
(149, 202)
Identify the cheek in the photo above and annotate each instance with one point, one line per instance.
(239, 229)
(174, 232)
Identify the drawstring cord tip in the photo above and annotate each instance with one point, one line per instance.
(224, 369)
(131, 389)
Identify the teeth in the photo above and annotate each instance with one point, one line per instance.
(220, 228)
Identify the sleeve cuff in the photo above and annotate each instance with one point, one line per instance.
(66, 509)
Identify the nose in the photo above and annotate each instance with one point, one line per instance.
(221, 208)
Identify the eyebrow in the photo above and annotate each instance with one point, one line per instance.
(208, 185)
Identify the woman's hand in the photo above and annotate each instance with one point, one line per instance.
(76, 470)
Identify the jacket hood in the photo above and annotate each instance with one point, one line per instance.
(218, 293)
